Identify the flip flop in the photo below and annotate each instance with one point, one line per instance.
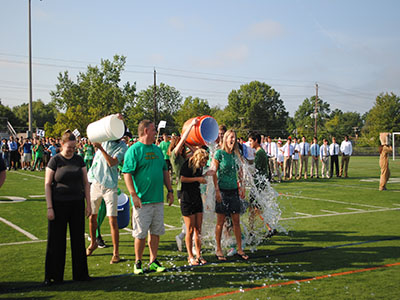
(89, 251)
(193, 262)
(115, 259)
(201, 260)
(220, 257)
(243, 256)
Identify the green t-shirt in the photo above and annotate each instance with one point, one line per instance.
(89, 151)
(261, 165)
(177, 162)
(39, 149)
(146, 164)
(227, 170)
(164, 148)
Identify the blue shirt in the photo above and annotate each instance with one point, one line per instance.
(13, 146)
(53, 150)
(100, 171)
(28, 148)
(314, 150)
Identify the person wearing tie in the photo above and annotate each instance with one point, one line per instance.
(304, 152)
(314, 149)
(294, 167)
(347, 150)
(287, 152)
(271, 149)
(324, 156)
(334, 152)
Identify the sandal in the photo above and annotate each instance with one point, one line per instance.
(115, 259)
(243, 256)
(201, 260)
(89, 251)
(193, 262)
(220, 257)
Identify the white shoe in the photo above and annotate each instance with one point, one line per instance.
(179, 243)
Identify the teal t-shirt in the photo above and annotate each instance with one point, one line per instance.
(100, 171)
(146, 164)
(227, 171)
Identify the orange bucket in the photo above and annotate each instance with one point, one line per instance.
(205, 132)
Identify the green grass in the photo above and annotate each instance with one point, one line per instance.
(318, 246)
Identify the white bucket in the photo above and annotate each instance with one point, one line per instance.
(106, 129)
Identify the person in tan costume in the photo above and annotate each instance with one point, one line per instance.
(384, 151)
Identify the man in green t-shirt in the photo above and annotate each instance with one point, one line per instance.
(145, 172)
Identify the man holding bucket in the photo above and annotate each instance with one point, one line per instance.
(104, 178)
(145, 172)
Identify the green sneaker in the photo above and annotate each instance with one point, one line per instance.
(137, 269)
(156, 266)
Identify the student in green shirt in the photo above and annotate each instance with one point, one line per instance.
(88, 149)
(164, 145)
(145, 172)
(38, 149)
(228, 185)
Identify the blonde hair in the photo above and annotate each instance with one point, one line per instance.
(198, 156)
(235, 146)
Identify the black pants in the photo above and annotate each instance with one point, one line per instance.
(72, 213)
(335, 161)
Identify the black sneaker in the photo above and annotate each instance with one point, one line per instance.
(100, 242)
(137, 268)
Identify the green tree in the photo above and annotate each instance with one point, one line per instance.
(97, 92)
(384, 116)
(6, 113)
(341, 124)
(74, 118)
(256, 107)
(191, 107)
(168, 101)
(304, 117)
(41, 113)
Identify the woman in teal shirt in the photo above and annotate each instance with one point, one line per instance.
(228, 184)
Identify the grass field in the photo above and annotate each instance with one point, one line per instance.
(343, 242)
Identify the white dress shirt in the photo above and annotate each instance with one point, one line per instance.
(287, 150)
(346, 148)
(271, 149)
(334, 149)
(323, 151)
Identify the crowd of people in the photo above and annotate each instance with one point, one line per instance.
(290, 160)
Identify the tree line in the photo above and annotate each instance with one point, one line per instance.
(254, 106)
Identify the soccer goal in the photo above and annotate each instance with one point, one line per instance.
(393, 143)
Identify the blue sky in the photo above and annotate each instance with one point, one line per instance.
(208, 48)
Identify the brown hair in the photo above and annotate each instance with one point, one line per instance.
(174, 142)
(142, 125)
(68, 136)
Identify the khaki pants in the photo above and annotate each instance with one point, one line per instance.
(314, 164)
(287, 161)
(273, 166)
(345, 164)
(294, 168)
(303, 163)
(325, 167)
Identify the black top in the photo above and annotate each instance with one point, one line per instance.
(186, 171)
(2, 164)
(68, 178)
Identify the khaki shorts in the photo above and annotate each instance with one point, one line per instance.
(148, 218)
(27, 157)
(110, 196)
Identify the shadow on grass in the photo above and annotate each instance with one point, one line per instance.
(281, 258)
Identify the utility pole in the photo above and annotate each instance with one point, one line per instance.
(315, 110)
(30, 74)
(155, 98)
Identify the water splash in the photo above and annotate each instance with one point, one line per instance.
(255, 227)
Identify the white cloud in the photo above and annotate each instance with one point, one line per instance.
(176, 23)
(226, 57)
(265, 30)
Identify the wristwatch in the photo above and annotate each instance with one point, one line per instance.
(171, 191)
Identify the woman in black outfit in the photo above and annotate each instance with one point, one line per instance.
(66, 187)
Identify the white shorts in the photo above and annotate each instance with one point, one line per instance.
(148, 218)
(110, 196)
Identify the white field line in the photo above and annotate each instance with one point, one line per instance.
(356, 209)
(173, 205)
(398, 204)
(339, 214)
(333, 201)
(302, 214)
(37, 196)
(29, 175)
(22, 243)
(330, 211)
(29, 235)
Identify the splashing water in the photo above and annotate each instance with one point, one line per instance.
(254, 225)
